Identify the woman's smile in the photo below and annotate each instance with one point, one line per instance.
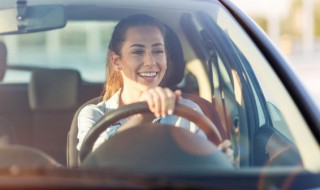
(148, 75)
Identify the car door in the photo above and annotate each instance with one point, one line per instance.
(253, 123)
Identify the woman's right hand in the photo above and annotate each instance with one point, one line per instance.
(161, 101)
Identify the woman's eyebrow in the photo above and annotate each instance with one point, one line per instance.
(157, 44)
(142, 45)
(137, 45)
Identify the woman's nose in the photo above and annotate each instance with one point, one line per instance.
(149, 59)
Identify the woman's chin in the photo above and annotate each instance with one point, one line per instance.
(145, 87)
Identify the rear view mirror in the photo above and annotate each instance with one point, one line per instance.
(26, 19)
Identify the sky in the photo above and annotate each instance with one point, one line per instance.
(264, 7)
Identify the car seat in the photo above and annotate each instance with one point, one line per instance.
(53, 99)
(7, 133)
(3, 59)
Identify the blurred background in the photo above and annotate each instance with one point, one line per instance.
(294, 27)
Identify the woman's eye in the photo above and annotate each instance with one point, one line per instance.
(158, 51)
(138, 52)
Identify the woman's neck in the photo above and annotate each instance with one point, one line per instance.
(128, 96)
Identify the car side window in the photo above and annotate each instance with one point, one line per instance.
(253, 97)
(262, 86)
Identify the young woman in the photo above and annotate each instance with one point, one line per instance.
(137, 62)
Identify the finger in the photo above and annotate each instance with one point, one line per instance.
(225, 144)
(171, 99)
(229, 152)
(164, 100)
(156, 102)
(178, 95)
(147, 97)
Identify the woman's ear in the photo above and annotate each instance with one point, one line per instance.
(114, 58)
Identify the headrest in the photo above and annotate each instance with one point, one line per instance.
(3, 59)
(54, 89)
(176, 64)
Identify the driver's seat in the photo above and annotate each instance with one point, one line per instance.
(72, 141)
(173, 76)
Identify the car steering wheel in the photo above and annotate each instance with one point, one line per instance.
(181, 110)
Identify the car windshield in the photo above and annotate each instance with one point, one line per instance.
(213, 58)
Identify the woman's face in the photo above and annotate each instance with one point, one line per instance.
(143, 59)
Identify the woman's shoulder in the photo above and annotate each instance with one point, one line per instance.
(94, 110)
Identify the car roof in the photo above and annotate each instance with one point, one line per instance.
(177, 4)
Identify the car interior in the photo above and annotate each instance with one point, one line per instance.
(46, 118)
(46, 107)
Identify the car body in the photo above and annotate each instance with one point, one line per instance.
(222, 60)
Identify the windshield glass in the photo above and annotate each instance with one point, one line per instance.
(65, 94)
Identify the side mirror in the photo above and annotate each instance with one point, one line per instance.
(27, 19)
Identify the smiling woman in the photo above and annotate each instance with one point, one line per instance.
(136, 66)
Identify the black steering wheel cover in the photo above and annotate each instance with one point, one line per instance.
(142, 107)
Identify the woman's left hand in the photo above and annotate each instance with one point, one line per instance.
(225, 147)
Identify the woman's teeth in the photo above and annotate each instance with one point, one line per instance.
(153, 74)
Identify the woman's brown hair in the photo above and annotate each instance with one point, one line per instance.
(114, 79)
